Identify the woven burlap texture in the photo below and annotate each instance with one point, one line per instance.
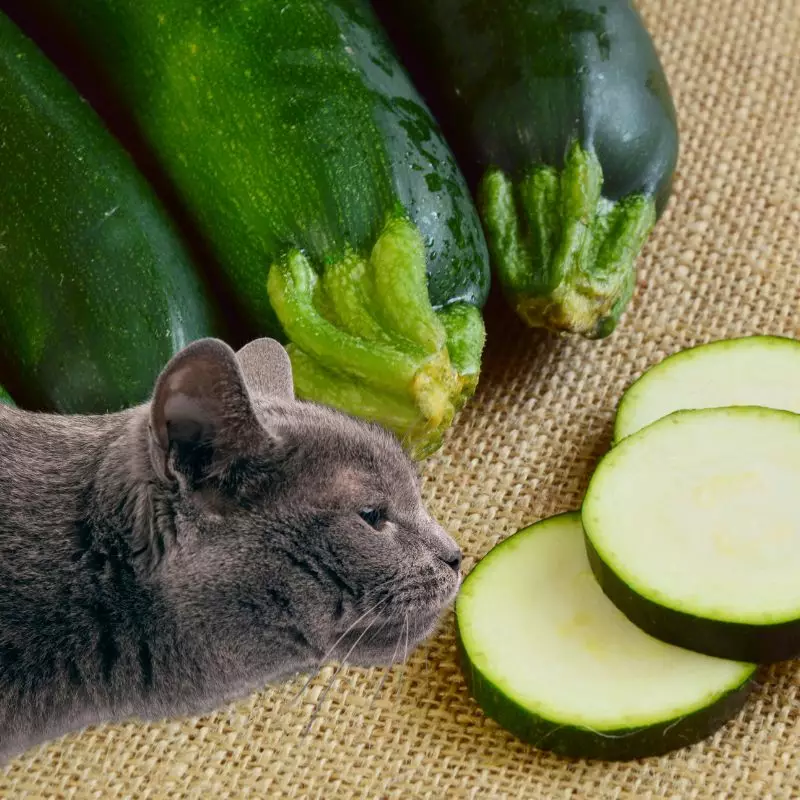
(724, 261)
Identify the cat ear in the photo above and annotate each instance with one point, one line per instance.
(267, 368)
(200, 412)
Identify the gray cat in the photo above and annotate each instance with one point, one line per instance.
(166, 559)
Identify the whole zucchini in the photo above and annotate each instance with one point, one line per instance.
(96, 291)
(324, 186)
(560, 115)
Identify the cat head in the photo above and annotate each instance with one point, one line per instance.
(296, 509)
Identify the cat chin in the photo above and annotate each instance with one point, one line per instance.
(395, 642)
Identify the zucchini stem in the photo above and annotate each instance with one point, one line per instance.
(565, 255)
(364, 338)
(466, 336)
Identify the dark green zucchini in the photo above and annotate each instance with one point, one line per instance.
(324, 186)
(96, 290)
(560, 115)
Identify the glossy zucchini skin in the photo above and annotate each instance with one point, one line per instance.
(299, 145)
(561, 116)
(96, 289)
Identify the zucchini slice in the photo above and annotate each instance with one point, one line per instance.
(551, 659)
(693, 530)
(747, 371)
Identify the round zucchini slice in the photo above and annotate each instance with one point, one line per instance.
(748, 371)
(551, 659)
(693, 530)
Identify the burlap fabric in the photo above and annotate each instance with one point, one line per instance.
(724, 261)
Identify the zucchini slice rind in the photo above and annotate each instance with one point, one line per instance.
(749, 371)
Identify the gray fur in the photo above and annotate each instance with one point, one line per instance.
(169, 558)
(268, 369)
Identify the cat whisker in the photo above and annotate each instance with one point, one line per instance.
(404, 664)
(377, 631)
(330, 683)
(379, 588)
(387, 670)
(424, 648)
(333, 647)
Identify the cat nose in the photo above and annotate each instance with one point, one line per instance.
(453, 559)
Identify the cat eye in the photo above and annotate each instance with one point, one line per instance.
(374, 517)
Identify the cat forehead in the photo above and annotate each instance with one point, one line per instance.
(330, 440)
(351, 482)
(354, 457)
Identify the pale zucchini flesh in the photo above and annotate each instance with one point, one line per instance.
(694, 530)
(550, 658)
(746, 371)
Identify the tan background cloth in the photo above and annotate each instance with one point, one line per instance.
(724, 261)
